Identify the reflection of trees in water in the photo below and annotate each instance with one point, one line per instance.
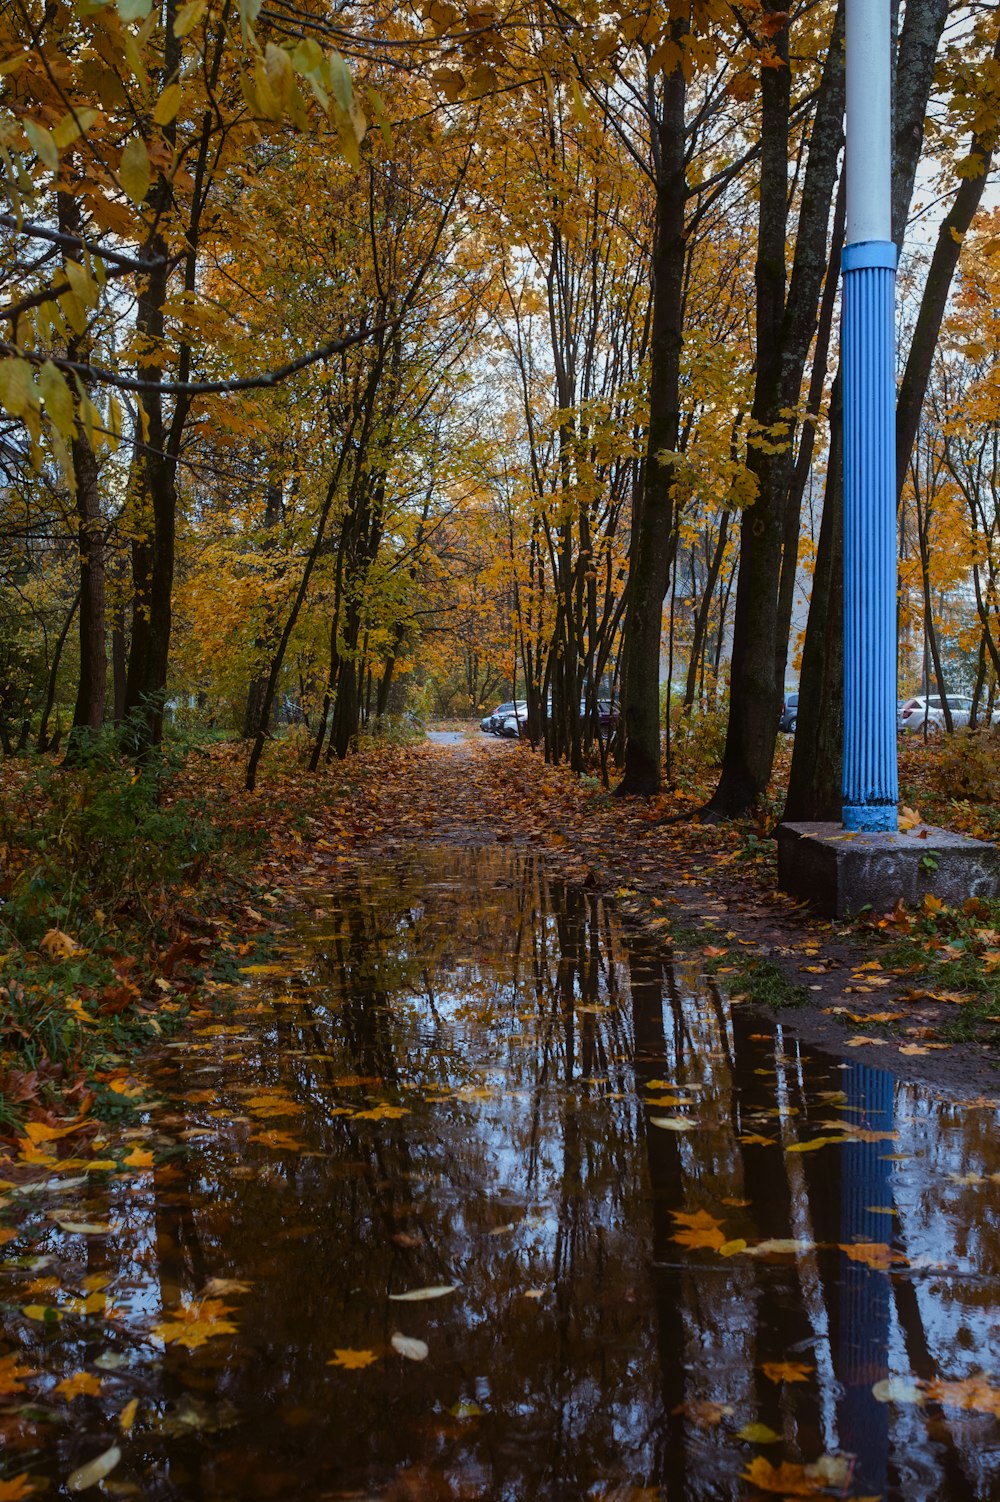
(507, 1013)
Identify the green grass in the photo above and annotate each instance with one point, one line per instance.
(765, 984)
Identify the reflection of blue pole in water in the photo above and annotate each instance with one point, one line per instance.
(862, 1355)
(871, 784)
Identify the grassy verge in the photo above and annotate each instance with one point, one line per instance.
(114, 891)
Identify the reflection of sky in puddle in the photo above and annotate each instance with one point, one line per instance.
(571, 1103)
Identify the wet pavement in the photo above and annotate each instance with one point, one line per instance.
(474, 1196)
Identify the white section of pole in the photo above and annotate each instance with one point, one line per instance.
(869, 131)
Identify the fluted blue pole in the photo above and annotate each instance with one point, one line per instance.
(871, 783)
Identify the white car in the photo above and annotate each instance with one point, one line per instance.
(915, 712)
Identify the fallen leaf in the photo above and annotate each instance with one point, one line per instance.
(11, 1372)
(83, 1383)
(139, 1157)
(976, 1393)
(59, 946)
(411, 1348)
(16, 1488)
(43, 1314)
(897, 1390)
(702, 1230)
(812, 1144)
(758, 1434)
(38, 1131)
(672, 1123)
(703, 1412)
(352, 1361)
(414, 1295)
(94, 1471)
(193, 1324)
(786, 1371)
(874, 1254)
(788, 1480)
(127, 1416)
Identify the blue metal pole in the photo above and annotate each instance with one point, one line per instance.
(871, 783)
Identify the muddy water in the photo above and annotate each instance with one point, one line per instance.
(463, 1080)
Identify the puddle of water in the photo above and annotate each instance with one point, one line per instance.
(466, 1078)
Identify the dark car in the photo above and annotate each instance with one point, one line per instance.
(789, 713)
(607, 713)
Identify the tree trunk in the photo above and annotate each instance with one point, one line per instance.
(88, 714)
(769, 527)
(653, 532)
(42, 744)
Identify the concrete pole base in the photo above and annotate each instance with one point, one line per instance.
(839, 873)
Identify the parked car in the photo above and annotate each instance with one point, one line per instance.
(508, 715)
(607, 713)
(930, 710)
(789, 713)
(514, 723)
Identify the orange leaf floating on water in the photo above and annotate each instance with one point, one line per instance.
(193, 1324)
(283, 1141)
(352, 1360)
(813, 1144)
(788, 1480)
(11, 1372)
(976, 1393)
(874, 1254)
(382, 1112)
(16, 1488)
(702, 1230)
(139, 1157)
(703, 1412)
(83, 1383)
(786, 1371)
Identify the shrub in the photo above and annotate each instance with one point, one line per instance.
(967, 766)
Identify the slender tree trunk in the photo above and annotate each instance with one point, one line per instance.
(785, 330)
(42, 743)
(653, 533)
(88, 714)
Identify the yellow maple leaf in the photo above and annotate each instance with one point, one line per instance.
(701, 1230)
(909, 818)
(85, 1383)
(193, 1324)
(786, 1371)
(352, 1360)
